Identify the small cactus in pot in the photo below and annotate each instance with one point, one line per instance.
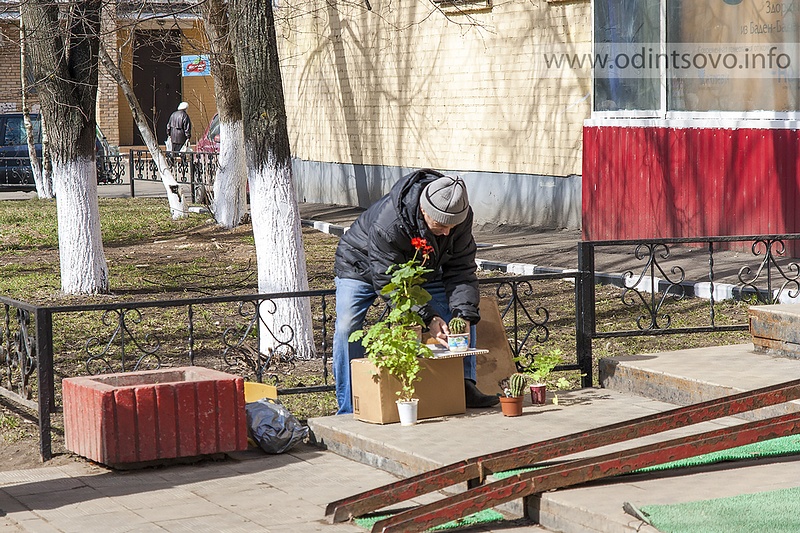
(516, 384)
(457, 326)
(458, 339)
(513, 389)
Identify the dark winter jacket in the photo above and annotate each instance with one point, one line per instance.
(179, 128)
(382, 235)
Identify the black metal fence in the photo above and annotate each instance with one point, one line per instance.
(763, 271)
(196, 169)
(16, 173)
(228, 332)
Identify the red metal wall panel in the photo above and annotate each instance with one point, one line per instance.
(641, 182)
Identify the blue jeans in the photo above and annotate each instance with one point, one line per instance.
(353, 299)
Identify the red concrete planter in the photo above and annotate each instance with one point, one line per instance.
(133, 417)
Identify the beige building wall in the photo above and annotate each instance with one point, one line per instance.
(410, 86)
(114, 115)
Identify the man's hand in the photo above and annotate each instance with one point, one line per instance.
(438, 330)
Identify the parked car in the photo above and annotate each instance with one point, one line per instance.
(16, 173)
(209, 141)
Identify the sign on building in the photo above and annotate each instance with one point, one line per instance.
(198, 65)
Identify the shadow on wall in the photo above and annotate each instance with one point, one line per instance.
(543, 202)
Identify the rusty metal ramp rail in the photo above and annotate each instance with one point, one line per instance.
(474, 471)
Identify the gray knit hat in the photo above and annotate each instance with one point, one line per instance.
(445, 200)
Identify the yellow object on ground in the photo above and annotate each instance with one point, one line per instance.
(255, 391)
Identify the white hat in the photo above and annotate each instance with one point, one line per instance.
(183, 105)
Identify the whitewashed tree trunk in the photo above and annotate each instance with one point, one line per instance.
(280, 256)
(80, 244)
(177, 204)
(273, 200)
(63, 54)
(230, 185)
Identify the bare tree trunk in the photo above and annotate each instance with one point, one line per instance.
(230, 185)
(177, 205)
(42, 177)
(63, 53)
(273, 200)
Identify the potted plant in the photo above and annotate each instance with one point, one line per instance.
(394, 344)
(458, 338)
(538, 372)
(513, 390)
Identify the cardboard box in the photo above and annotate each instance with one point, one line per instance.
(440, 391)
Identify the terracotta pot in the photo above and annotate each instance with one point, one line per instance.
(511, 406)
(538, 394)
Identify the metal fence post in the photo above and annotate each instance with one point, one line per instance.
(584, 312)
(44, 367)
(191, 178)
(130, 172)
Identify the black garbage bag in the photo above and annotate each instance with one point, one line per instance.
(272, 426)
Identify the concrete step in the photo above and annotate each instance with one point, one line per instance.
(776, 329)
(683, 377)
(636, 386)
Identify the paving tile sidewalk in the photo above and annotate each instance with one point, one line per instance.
(250, 492)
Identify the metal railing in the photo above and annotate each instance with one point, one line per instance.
(196, 169)
(224, 332)
(16, 173)
(227, 332)
(656, 278)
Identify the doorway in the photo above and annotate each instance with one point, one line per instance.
(156, 78)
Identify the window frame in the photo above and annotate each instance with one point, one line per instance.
(662, 115)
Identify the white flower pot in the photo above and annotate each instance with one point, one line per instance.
(408, 411)
(458, 342)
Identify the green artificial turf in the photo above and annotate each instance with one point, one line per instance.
(765, 512)
(769, 448)
(481, 517)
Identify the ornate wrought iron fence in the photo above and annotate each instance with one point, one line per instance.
(658, 278)
(16, 172)
(226, 333)
(196, 169)
(110, 169)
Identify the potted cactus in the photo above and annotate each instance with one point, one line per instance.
(458, 338)
(513, 390)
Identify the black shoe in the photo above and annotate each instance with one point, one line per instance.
(476, 399)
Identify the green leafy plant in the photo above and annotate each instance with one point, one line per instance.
(542, 365)
(393, 344)
(457, 326)
(404, 290)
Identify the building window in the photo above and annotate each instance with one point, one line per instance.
(685, 58)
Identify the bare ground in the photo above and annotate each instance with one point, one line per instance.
(227, 261)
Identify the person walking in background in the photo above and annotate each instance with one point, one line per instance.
(424, 204)
(179, 129)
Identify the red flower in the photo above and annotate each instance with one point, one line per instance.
(422, 245)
